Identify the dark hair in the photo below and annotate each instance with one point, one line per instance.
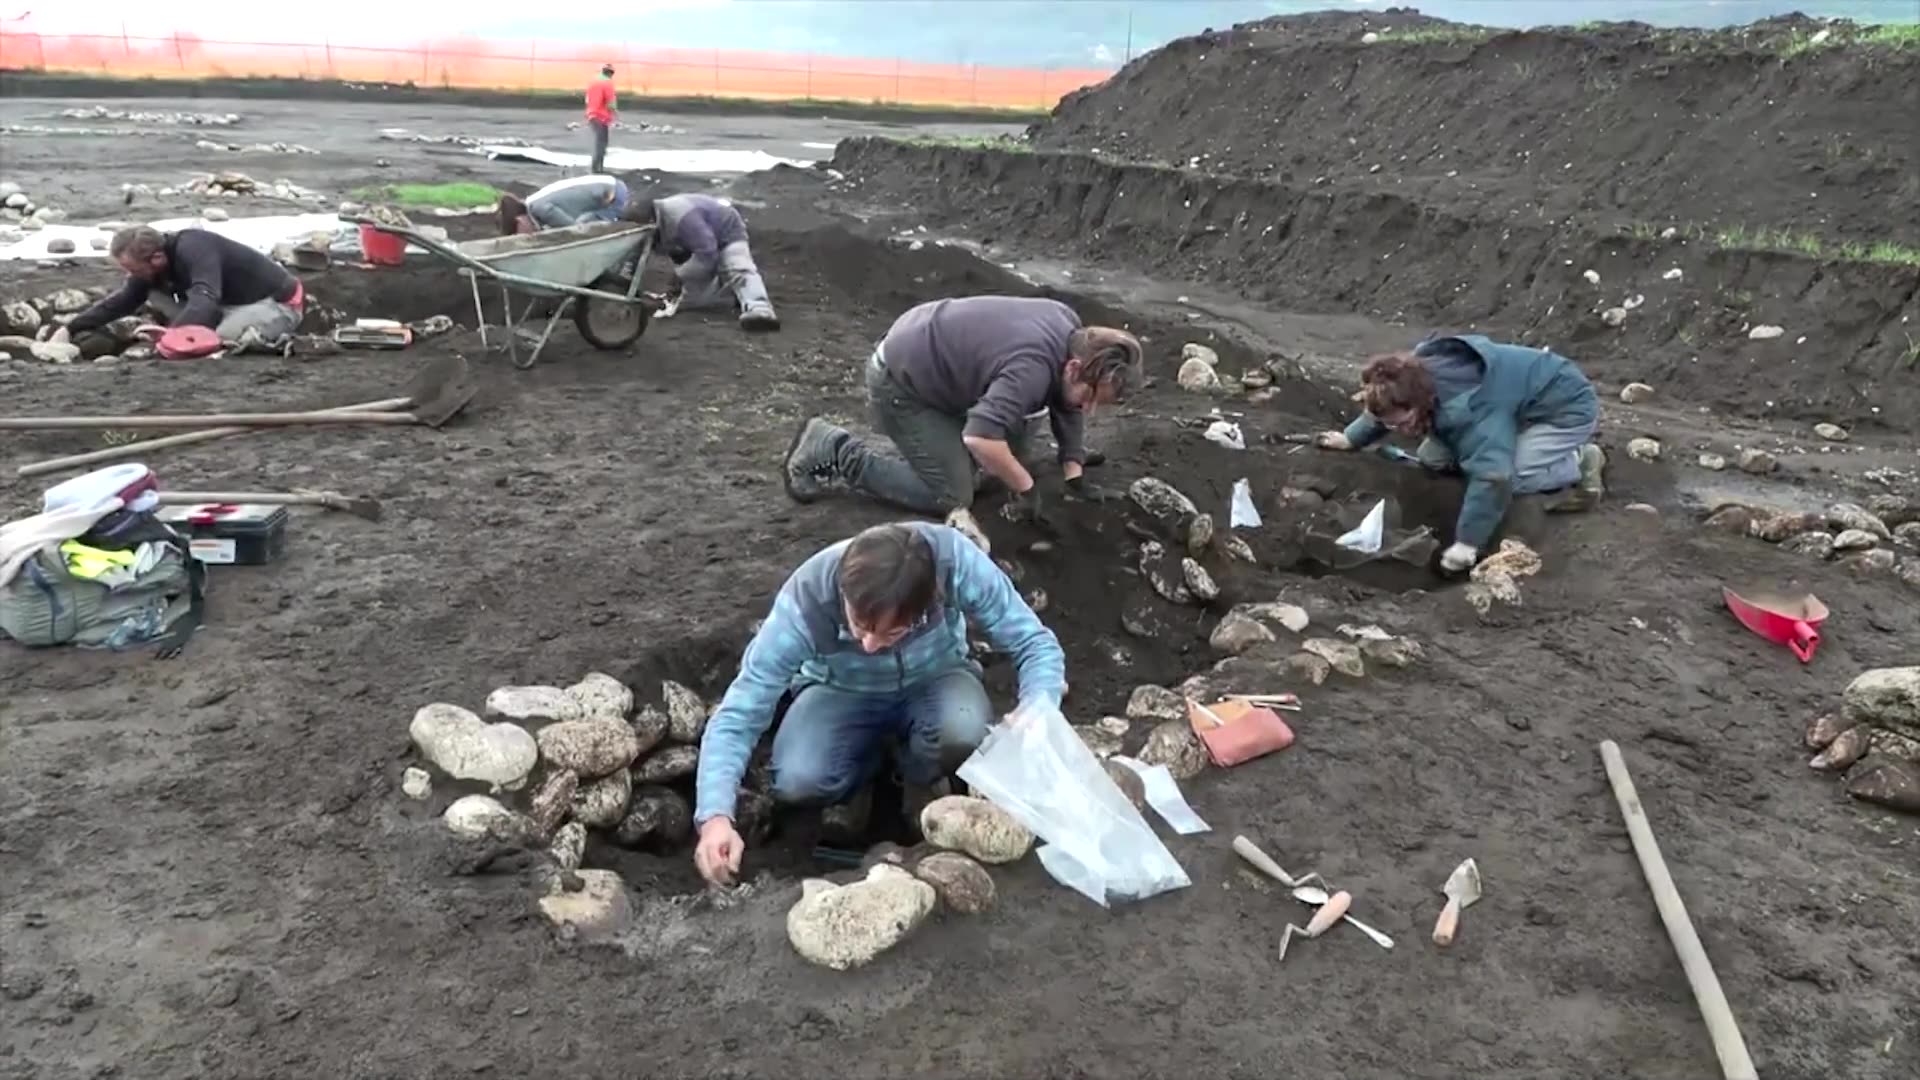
(1396, 382)
(509, 210)
(1108, 356)
(140, 242)
(639, 210)
(888, 573)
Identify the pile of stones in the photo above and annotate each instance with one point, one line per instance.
(1874, 740)
(20, 213)
(232, 185)
(1882, 536)
(171, 119)
(21, 320)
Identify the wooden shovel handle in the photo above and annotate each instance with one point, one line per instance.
(1448, 923)
(145, 446)
(209, 420)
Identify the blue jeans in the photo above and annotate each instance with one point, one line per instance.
(1545, 458)
(832, 741)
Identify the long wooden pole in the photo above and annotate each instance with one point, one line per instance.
(136, 449)
(1727, 1043)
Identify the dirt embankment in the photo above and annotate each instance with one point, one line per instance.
(1850, 329)
(1614, 126)
(1642, 200)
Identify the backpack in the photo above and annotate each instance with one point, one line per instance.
(45, 605)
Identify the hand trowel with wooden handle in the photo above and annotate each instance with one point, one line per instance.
(1462, 889)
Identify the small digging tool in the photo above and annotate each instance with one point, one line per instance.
(1462, 890)
(446, 390)
(363, 506)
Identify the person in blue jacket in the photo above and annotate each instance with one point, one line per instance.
(1514, 420)
(870, 635)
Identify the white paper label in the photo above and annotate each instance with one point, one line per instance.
(212, 549)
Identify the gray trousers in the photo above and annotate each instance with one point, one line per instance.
(270, 317)
(1545, 458)
(600, 132)
(736, 277)
(928, 469)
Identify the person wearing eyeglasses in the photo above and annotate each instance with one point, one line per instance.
(953, 385)
(1515, 420)
(870, 638)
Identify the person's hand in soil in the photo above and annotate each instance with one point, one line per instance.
(717, 856)
(1081, 489)
(1458, 557)
(1025, 506)
(1332, 440)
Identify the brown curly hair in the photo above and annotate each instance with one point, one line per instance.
(1398, 384)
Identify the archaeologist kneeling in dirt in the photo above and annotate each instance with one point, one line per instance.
(577, 200)
(1515, 420)
(707, 241)
(953, 384)
(870, 636)
(196, 278)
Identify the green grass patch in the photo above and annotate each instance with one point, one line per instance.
(971, 142)
(1897, 36)
(1741, 238)
(1438, 35)
(458, 196)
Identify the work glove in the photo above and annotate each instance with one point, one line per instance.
(55, 334)
(1332, 440)
(1083, 490)
(1025, 507)
(1458, 557)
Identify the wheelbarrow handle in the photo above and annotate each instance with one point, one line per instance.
(1805, 640)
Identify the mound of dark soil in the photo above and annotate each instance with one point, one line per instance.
(1748, 128)
(1846, 353)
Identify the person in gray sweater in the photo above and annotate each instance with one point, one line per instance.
(707, 241)
(954, 384)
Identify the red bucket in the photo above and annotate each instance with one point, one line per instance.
(382, 248)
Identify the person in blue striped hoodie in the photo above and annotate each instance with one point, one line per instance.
(870, 635)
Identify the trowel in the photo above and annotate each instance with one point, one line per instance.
(1462, 889)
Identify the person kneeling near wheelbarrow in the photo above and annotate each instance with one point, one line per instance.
(1515, 420)
(707, 241)
(195, 278)
(577, 200)
(870, 637)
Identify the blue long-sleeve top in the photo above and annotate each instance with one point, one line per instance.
(805, 640)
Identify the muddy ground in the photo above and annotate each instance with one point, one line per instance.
(209, 870)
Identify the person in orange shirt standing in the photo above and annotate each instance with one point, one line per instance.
(600, 115)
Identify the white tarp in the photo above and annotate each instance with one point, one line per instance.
(259, 233)
(671, 161)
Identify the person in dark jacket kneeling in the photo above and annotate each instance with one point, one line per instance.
(1514, 420)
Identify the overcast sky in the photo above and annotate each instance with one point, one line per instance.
(1011, 32)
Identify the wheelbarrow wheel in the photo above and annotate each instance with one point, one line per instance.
(607, 324)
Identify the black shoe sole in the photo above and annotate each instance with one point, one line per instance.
(786, 474)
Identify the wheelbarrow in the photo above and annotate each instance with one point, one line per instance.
(594, 269)
(1793, 621)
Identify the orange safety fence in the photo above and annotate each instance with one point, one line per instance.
(548, 66)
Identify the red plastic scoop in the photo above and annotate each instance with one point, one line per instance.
(1793, 621)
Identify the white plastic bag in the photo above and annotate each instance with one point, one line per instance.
(1366, 537)
(1034, 767)
(1241, 514)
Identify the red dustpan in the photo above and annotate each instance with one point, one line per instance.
(1793, 621)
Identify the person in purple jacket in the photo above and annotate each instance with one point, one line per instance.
(707, 241)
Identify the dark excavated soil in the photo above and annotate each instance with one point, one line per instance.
(207, 869)
(1616, 126)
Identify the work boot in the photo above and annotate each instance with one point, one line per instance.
(963, 520)
(844, 824)
(915, 797)
(1588, 491)
(761, 319)
(810, 468)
